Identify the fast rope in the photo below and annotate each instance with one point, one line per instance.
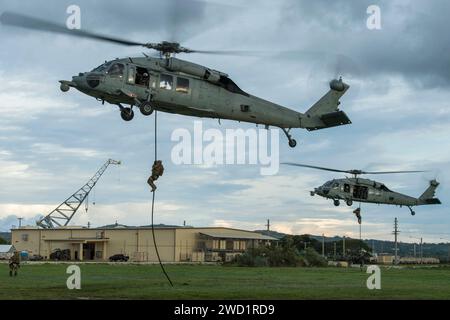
(153, 206)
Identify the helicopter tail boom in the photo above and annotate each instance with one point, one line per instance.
(428, 196)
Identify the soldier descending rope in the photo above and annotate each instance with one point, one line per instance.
(357, 212)
(14, 264)
(157, 171)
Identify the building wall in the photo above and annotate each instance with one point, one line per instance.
(137, 244)
(174, 244)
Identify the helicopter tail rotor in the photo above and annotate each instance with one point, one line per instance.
(428, 196)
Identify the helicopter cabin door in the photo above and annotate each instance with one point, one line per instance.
(360, 192)
(138, 81)
(174, 91)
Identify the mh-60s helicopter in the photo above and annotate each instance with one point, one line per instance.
(369, 191)
(176, 86)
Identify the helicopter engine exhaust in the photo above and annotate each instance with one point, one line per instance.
(210, 75)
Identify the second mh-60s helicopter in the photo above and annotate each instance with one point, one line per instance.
(369, 191)
(176, 86)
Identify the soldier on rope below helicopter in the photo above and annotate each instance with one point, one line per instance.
(157, 171)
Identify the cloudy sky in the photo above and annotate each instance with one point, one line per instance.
(399, 101)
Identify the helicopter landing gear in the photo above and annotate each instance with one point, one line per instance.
(146, 108)
(357, 213)
(413, 213)
(292, 142)
(336, 202)
(349, 203)
(127, 114)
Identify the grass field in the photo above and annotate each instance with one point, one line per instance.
(103, 281)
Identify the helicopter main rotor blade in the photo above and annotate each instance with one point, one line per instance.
(315, 167)
(354, 172)
(391, 172)
(248, 53)
(27, 22)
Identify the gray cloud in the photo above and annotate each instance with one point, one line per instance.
(413, 41)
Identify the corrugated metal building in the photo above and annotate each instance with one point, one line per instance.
(175, 244)
(6, 251)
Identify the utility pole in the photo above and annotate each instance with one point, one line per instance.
(323, 245)
(421, 251)
(448, 248)
(420, 248)
(343, 247)
(268, 225)
(335, 250)
(396, 232)
(20, 222)
(373, 247)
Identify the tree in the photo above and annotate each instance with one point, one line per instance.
(3, 241)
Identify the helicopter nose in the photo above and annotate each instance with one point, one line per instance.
(323, 190)
(79, 80)
(87, 80)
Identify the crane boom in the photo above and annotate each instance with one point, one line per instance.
(63, 213)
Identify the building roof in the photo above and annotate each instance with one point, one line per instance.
(6, 248)
(214, 232)
(235, 234)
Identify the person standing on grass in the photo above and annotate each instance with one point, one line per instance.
(14, 264)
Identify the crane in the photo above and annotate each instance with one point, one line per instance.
(63, 213)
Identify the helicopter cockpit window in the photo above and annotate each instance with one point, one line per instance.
(182, 85)
(131, 74)
(116, 70)
(166, 82)
(102, 67)
(335, 185)
(346, 187)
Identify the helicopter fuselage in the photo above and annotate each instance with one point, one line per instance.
(181, 87)
(364, 190)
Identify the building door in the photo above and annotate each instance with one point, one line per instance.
(89, 251)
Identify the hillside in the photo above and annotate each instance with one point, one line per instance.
(6, 236)
(437, 250)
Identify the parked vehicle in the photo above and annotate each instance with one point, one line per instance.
(36, 257)
(60, 255)
(119, 257)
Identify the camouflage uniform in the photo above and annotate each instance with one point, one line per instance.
(357, 212)
(14, 264)
(157, 171)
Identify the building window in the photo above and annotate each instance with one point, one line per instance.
(222, 245)
(182, 85)
(25, 237)
(166, 82)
